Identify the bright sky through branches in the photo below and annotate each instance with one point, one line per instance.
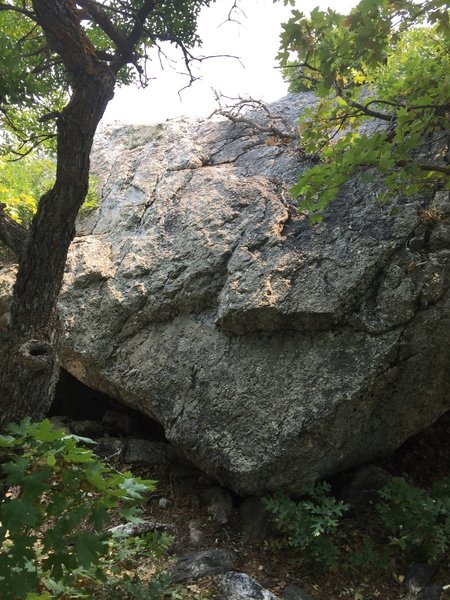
(254, 39)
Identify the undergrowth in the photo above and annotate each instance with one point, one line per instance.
(58, 503)
(408, 524)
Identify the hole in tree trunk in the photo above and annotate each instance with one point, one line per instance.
(78, 402)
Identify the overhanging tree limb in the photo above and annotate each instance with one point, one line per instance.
(97, 13)
(383, 61)
(126, 54)
(434, 168)
(376, 114)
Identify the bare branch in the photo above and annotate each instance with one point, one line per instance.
(234, 9)
(439, 108)
(54, 114)
(46, 67)
(104, 55)
(27, 143)
(237, 114)
(301, 65)
(34, 143)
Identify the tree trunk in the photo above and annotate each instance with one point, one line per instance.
(29, 350)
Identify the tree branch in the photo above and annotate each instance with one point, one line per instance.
(236, 113)
(13, 235)
(438, 108)
(434, 167)
(101, 18)
(126, 53)
(141, 16)
(62, 28)
(22, 11)
(364, 109)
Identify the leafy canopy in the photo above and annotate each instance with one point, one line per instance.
(34, 81)
(382, 74)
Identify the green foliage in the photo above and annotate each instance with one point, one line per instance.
(311, 524)
(364, 551)
(386, 60)
(34, 83)
(23, 182)
(417, 522)
(54, 518)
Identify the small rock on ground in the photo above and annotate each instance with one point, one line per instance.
(116, 423)
(419, 575)
(109, 448)
(239, 586)
(202, 564)
(164, 503)
(134, 529)
(219, 504)
(87, 428)
(196, 535)
(431, 592)
(140, 451)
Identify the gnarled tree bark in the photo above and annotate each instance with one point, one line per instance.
(29, 363)
(29, 349)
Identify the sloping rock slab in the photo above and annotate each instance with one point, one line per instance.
(272, 352)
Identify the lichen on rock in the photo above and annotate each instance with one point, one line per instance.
(273, 352)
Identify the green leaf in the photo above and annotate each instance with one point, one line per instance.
(7, 441)
(45, 432)
(51, 460)
(88, 548)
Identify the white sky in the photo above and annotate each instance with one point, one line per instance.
(255, 40)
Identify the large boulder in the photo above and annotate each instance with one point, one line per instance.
(273, 352)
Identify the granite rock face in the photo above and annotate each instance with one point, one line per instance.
(272, 352)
